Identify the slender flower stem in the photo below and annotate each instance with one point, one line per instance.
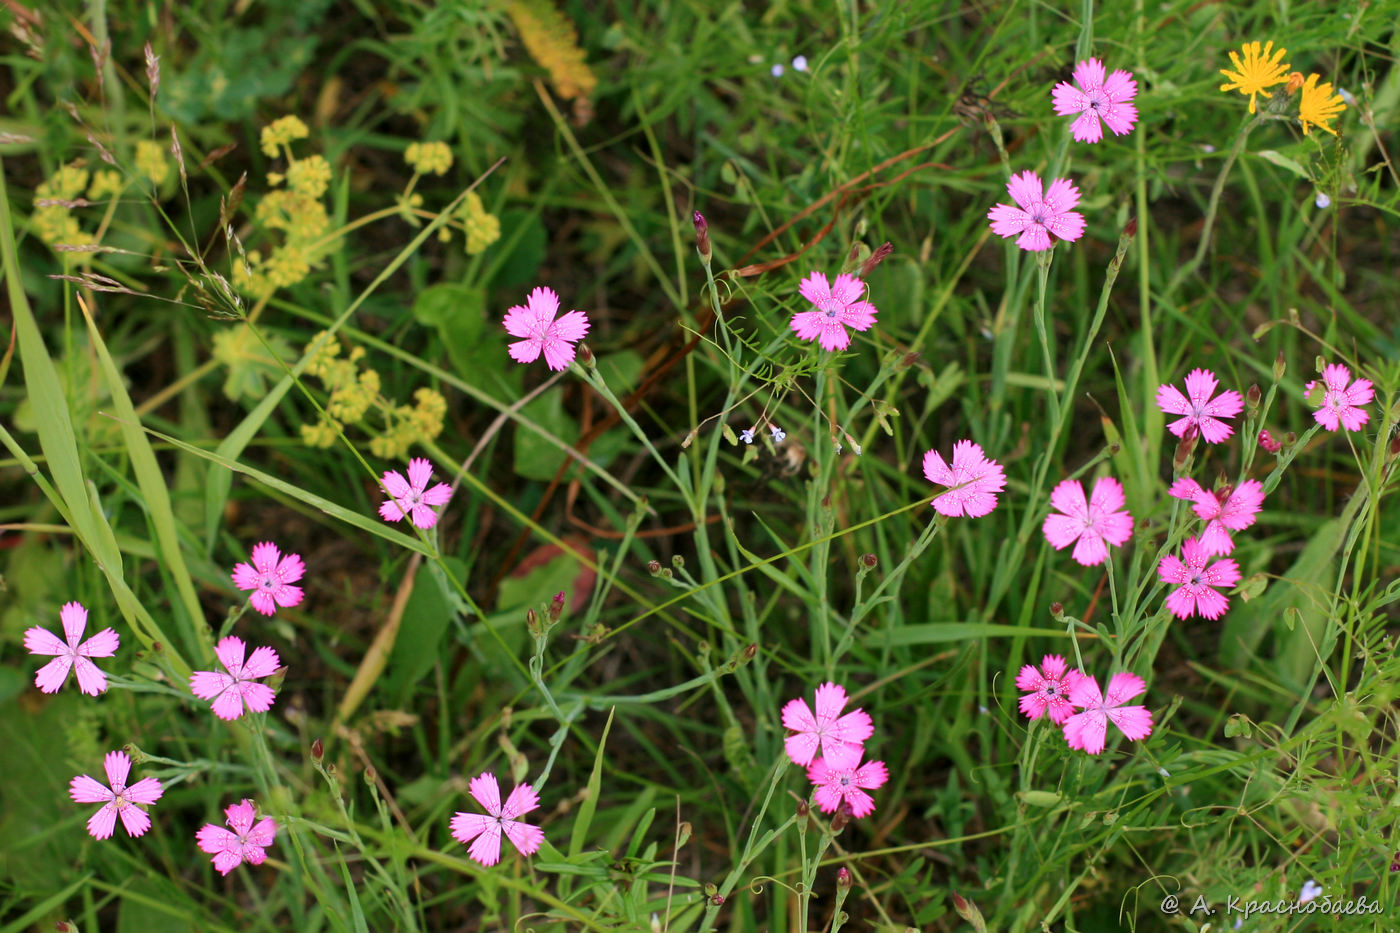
(1043, 261)
(1213, 206)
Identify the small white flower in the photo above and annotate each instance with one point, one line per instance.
(746, 435)
(1322, 201)
(778, 433)
(777, 70)
(1207, 148)
(799, 63)
(1311, 889)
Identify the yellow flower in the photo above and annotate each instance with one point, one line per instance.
(482, 228)
(1318, 105)
(320, 434)
(428, 158)
(1258, 71)
(104, 183)
(309, 176)
(64, 184)
(281, 132)
(150, 161)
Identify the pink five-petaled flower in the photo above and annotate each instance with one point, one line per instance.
(1223, 511)
(1197, 580)
(235, 689)
(847, 784)
(118, 799)
(837, 307)
(74, 654)
(535, 322)
(1036, 216)
(1048, 689)
(242, 842)
(270, 576)
(1097, 97)
(1198, 409)
(1341, 403)
(411, 497)
(487, 828)
(1088, 728)
(1096, 523)
(974, 479)
(841, 738)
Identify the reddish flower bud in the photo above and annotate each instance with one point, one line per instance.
(653, 567)
(702, 238)
(1130, 228)
(1266, 441)
(843, 878)
(882, 252)
(869, 561)
(317, 750)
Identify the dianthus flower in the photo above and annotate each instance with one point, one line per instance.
(270, 576)
(1197, 579)
(1048, 689)
(1266, 441)
(847, 784)
(235, 690)
(1257, 71)
(411, 498)
(837, 308)
(487, 828)
(1223, 511)
(73, 654)
(1036, 216)
(1198, 409)
(1096, 523)
(1341, 402)
(841, 738)
(1097, 97)
(1088, 729)
(118, 799)
(242, 842)
(975, 481)
(535, 322)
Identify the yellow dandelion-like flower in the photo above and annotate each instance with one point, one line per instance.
(281, 132)
(104, 183)
(151, 161)
(428, 158)
(1258, 70)
(1318, 105)
(310, 176)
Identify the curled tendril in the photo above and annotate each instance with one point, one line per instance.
(756, 886)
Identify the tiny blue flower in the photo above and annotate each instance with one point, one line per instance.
(799, 63)
(1322, 201)
(746, 435)
(778, 433)
(777, 70)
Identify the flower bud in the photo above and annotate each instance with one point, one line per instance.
(1130, 228)
(843, 878)
(717, 900)
(750, 652)
(1252, 397)
(839, 821)
(678, 562)
(1184, 450)
(882, 252)
(702, 238)
(653, 567)
(1057, 612)
(371, 776)
(803, 810)
(1395, 446)
(532, 621)
(556, 607)
(1266, 441)
(1290, 439)
(1280, 367)
(869, 561)
(585, 356)
(318, 750)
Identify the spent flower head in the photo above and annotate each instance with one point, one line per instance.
(836, 307)
(117, 799)
(1088, 729)
(841, 738)
(1047, 689)
(1255, 70)
(487, 829)
(535, 322)
(233, 690)
(1198, 409)
(1097, 98)
(1039, 212)
(973, 479)
(270, 576)
(73, 653)
(411, 498)
(243, 841)
(1094, 523)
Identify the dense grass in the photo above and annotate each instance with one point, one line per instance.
(154, 415)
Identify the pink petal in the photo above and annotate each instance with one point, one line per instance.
(1211, 603)
(391, 511)
(74, 619)
(1122, 687)
(84, 789)
(1119, 118)
(828, 797)
(1089, 73)
(847, 289)
(557, 354)
(519, 322)
(1171, 401)
(1201, 385)
(487, 792)
(1087, 730)
(1008, 221)
(230, 652)
(1352, 419)
(798, 717)
(526, 351)
(487, 847)
(228, 705)
(263, 602)
(291, 569)
(1085, 692)
(136, 820)
(815, 288)
(245, 577)
(1028, 678)
(526, 838)
(1090, 551)
(102, 823)
(227, 860)
(935, 470)
(42, 641)
(1115, 529)
(424, 517)
(1336, 376)
(831, 699)
(90, 680)
(1182, 602)
(854, 727)
(51, 676)
(1034, 239)
(1107, 496)
(861, 803)
(521, 800)
(467, 826)
(833, 336)
(1053, 665)
(1032, 705)
(396, 485)
(871, 775)
(208, 684)
(1062, 196)
(1061, 530)
(840, 755)
(214, 839)
(438, 495)
(258, 697)
(801, 747)
(117, 766)
(1216, 540)
(266, 556)
(262, 663)
(572, 326)
(102, 645)
(860, 316)
(1172, 570)
(807, 324)
(1121, 87)
(420, 473)
(264, 833)
(1025, 189)
(1068, 99)
(543, 303)
(1068, 497)
(240, 815)
(1327, 418)
(1086, 128)
(287, 595)
(1135, 721)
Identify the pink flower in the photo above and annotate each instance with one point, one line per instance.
(117, 800)
(232, 691)
(270, 576)
(1048, 689)
(842, 738)
(974, 479)
(1196, 593)
(411, 497)
(1036, 217)
(543, 334)
(241, 842)
(1266, 441)
(73, 654)
(837, 307)
(1198, 409)
(1341, 403)
(848, 785)
(1096, 97)
(1088, 729)
(1224, 509)
(1095, 524)
(487, 829)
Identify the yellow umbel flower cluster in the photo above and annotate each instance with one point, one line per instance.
(1256, 69)
(355, 395)
(552, 42)
(482, 227)
(295, 211)
(53, 219)
(431, 158)
(151, 162)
